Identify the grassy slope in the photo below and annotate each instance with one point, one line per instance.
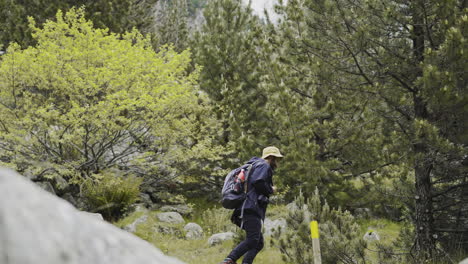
(198, 251)
(191, 251)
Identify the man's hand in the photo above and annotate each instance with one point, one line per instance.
(274, 188)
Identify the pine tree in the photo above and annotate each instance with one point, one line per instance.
(389, 53)
(330, 134)
(117, 15)
(170, 25)
(227, 47)
(340, 238)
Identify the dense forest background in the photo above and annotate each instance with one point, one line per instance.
(367, 99)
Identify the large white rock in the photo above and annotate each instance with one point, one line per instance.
(37, 227)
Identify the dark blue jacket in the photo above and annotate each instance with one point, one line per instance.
(260, 187)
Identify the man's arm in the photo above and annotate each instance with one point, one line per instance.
(261, 180)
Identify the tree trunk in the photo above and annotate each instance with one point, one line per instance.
(424, 220)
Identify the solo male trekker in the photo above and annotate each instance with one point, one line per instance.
(260, 187)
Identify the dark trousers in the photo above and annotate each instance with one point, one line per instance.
(253, 242)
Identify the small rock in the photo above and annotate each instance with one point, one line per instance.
(291, 206)
(170, 217)
(371, 236)
(193, 230)
(46, 186)
(139, 208)
(181, 209)
(61, 183)
(220, 237)
(168, 230)
(133, 226)
(273, 225)
(146, 199)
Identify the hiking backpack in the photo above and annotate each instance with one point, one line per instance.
(235, 190)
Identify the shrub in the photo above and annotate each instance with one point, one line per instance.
(340, 238)
(111, 195)
(216, 220)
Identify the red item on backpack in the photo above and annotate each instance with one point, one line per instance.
(241, 176)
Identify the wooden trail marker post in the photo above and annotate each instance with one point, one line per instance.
(314, 233)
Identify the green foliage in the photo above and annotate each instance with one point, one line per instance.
(217, 220)
(111, 195)
(340, 237)
(165, 197)
(389, 249)
(171, 24)
(118, 15)
(345, 68)
(227, 48)
(85, 100)
(194, 5)
(329, 131)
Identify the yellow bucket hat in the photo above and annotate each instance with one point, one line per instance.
(271, 151)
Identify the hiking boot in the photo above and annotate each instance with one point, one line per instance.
(228, 261)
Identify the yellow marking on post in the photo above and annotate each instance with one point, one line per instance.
(314, 231)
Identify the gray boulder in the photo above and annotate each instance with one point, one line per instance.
(220, 237)
(133, 226)
(273, 225)
(170, 217)
(193, 231)
(465, 261)
(38, 227)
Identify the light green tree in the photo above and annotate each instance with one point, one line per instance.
(84, 100)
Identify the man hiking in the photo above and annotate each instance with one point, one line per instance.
(260, 187)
